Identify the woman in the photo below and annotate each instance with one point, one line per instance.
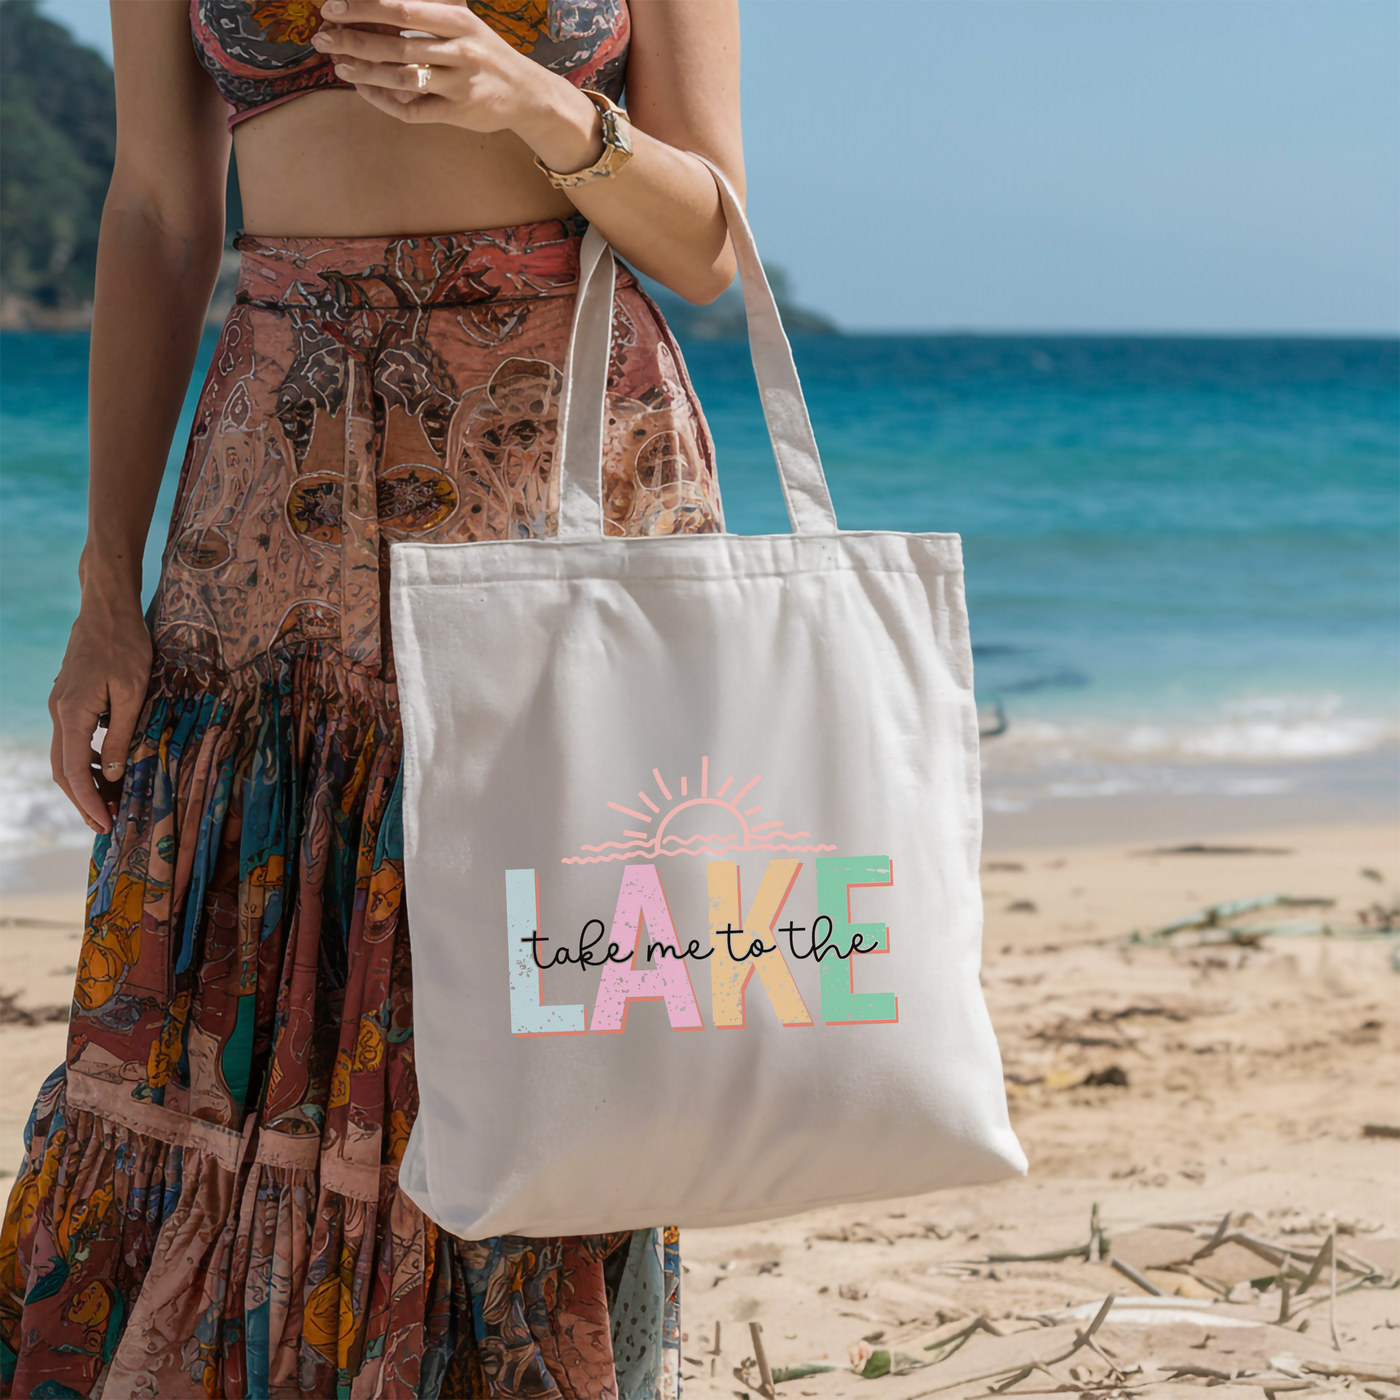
(209, 1203)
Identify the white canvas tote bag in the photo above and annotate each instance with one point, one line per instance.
(656, 791)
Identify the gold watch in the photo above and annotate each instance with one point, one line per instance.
(617, 146)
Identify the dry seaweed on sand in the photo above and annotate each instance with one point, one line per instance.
(1218, 922)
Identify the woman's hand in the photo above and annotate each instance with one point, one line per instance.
(105, 673)
(661, 210)
(475, 79)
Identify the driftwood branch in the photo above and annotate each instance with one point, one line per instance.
(1082, 1339)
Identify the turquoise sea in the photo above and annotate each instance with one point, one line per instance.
(1183, 555)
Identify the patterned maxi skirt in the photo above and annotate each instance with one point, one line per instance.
(208, 1202)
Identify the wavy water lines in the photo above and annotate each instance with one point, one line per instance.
(762, 836)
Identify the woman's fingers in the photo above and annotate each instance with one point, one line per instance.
(404, 105)
(74, 722)
(56, 761)
(447, 20)
(388, 76)
(126, 705)
(343, 43)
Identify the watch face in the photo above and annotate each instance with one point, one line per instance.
(616, 134)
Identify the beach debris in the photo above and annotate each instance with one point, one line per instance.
(1050, 1255)
(1094, 1248)
(13, 1014)
(1187, 1266)
(1022, 906)
(1216, 915)
(1369, 873)
(995, 724)
(1216, 924)
(1380, 1130)
(1332, 1300)
(743, 1371)
(1142, 1281)
(796, 1373)
(1012, 1371)
(1217, 1236)
(949, 1342)
(1380, 918)
(1115, 1077)
(765, 1374)
(1064, 1352)
(1070, 1030)
(1171, 1013)
(1232, 1263)
(1162, 1312)
(1198, 848)
(1326, 1253)
(1155, 1247)
(869, 1362)
(1356, 1370)
(858, 1232)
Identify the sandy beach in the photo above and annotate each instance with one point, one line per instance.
(1167, 1082)
(1243, 1065)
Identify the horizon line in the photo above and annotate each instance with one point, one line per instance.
(1005, 333)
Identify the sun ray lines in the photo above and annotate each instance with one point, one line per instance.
(739, 796)
(765, 836)
(699, 851)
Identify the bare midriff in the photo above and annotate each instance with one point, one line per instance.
(327, 164)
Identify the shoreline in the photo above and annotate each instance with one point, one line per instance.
(1358, 792)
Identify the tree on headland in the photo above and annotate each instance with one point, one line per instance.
(58, 139)
(58, 136)
(725, 318)
(57, 143)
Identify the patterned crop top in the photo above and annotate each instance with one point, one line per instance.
(259, 52)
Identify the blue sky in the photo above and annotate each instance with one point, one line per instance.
(1078, 165)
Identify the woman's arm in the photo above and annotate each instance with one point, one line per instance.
(157, 262)
(661, 211)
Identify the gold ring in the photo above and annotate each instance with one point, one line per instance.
(425, 75)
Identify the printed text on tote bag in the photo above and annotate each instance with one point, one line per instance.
(742, 942)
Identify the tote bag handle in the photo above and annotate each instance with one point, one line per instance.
(582, 408)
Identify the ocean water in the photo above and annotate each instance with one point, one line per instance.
(1183, 556)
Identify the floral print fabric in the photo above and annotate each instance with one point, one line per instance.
(208, 1203)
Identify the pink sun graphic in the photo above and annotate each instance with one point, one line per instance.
(737, 832)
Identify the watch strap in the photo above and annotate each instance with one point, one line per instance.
(617, 146)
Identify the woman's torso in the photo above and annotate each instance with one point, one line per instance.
(314, 158)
